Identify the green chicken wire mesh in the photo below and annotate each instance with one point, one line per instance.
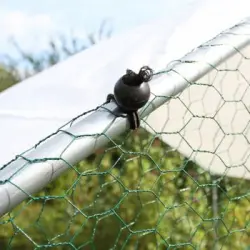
(145, 189)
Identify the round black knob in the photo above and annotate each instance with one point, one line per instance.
(132, 90)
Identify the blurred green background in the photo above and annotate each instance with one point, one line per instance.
(136, 193)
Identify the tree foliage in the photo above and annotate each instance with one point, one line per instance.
(8, 78)
(58, 49)
(137, 193)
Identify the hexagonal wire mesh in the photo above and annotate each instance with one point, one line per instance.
(182, 185)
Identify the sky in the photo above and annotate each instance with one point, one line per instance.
(32, 23)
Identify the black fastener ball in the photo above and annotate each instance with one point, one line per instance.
(132, 92)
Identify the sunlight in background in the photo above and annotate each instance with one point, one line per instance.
(33, 23)
(28, 30)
